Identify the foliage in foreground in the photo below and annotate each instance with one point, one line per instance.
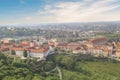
(73, 68)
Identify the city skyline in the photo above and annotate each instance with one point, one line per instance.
(58, 11)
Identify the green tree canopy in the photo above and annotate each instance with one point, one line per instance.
(25, 53)
(13, 52)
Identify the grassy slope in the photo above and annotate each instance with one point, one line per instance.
(98, 71)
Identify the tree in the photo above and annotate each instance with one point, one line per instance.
(38, 77)
(25, 53)
(1, 42)
(13, 52)
(12, 41)
(28, 77)
(67, 62)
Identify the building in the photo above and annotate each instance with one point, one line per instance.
(73, 47)
(25, 44)
(116, 49)
(5, 50)
(96, 42)
(38, 53)
(6, 45)
(18, 51)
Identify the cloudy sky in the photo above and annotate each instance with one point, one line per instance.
(58, 11)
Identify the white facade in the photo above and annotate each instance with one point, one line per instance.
(33, 54)
(37, 55)
(19, 53)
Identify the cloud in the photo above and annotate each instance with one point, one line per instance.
(88, 0)
(68, 11)
(81, 11)
(87, 10)
(28, 18)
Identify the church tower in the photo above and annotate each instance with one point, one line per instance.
(114, 46)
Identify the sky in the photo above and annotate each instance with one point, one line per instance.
(58, 11)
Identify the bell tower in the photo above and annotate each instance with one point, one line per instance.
(114, 46)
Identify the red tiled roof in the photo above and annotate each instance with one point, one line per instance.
(62, 44)
(7, 44)
(18, 48)
(25, 43)
(74, 44)
(5, 49)
(36, 45)
(42, 50)
(98, 40)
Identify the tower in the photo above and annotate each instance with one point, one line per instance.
(114, 46)
(31, 43)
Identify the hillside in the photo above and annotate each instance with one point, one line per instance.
(71, 68)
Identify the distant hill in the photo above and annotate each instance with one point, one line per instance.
(107, 26)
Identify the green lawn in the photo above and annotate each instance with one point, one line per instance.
(97, 70)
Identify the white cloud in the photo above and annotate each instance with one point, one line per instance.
(98, 10)
(88, 0)
(28, 18)
(81, 11)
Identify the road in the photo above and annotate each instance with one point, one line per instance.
(59, 71)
